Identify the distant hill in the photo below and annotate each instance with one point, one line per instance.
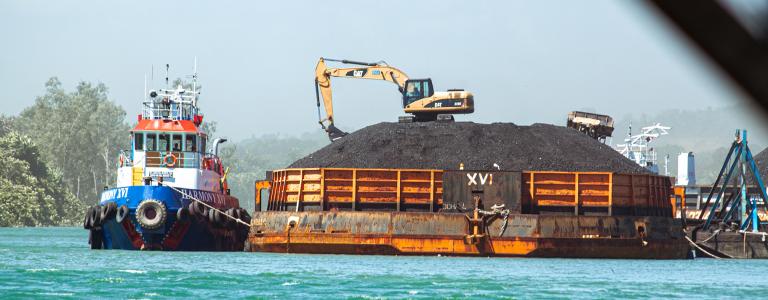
(706, 132)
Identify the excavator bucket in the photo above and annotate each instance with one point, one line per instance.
(334, 133)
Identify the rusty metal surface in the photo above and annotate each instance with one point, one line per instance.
(534, 192)
(411, 233)
(733, 244)
(493, 187)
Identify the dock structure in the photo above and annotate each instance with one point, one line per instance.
(730, 217)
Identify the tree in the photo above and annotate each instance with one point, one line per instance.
(80, 133)
(31, 194)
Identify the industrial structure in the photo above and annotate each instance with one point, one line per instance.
(599, 127)
(730, 222)
(638, 147)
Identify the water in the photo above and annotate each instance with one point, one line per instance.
(56, 262)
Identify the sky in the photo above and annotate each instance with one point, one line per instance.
(525, 61)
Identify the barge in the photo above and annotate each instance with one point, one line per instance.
(466, 213)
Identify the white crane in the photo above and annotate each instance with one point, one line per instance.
(636, 147)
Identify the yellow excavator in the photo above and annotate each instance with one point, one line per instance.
(419, 98)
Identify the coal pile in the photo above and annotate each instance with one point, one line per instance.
(761, 160)
(430, 145)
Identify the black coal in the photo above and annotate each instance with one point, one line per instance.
(431, 145)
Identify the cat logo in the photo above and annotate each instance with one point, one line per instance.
(358, 73)
(482, 178)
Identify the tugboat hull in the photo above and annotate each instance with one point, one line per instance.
(195, 231)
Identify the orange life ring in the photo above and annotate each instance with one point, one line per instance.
(206, 164)
(121, 161)
(172, 161)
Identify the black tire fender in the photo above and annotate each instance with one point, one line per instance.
(232, 212)
(244, 216)
(95, 216)
(182, 214)
(213, 216)
(87, 218)
(121, 213)
(108, 210)
(155, 221)
(200, 209)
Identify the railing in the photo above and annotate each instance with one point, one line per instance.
(173, 111)
(172, 159)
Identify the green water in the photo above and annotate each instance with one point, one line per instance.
(56, 263)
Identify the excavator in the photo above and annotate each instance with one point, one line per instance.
(419, 98)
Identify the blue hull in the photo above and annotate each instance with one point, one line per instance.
(196, 233)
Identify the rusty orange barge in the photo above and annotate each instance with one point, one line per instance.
(466, 213)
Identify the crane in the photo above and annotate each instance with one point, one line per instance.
(418, 95)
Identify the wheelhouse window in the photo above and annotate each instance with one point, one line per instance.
(151, 142)
(138, 141)
(176, 144)
(164, 142)
(190, 143)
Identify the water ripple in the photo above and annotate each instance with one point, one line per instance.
(56, 262)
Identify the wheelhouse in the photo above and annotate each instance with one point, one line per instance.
(168, 149)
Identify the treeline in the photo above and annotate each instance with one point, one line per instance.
(250, 159)
(31, 193)
(58, 155)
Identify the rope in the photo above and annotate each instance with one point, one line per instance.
(714, 234)
(497, 210)
(700, 249)
(504, 226)
(211, 207)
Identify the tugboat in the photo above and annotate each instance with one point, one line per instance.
(171, 194)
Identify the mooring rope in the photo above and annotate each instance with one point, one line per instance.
(498, 210)
(701, 249)
(211, 207)
(714, 234)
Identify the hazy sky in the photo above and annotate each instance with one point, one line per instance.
(526, 62)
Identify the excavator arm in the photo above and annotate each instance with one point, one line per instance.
(323, 74)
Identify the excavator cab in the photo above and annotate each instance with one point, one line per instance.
(416, 89)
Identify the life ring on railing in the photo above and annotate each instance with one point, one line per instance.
(121, 161)
(169, 160)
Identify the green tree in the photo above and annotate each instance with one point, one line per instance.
(31, 194)
(80, 133)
